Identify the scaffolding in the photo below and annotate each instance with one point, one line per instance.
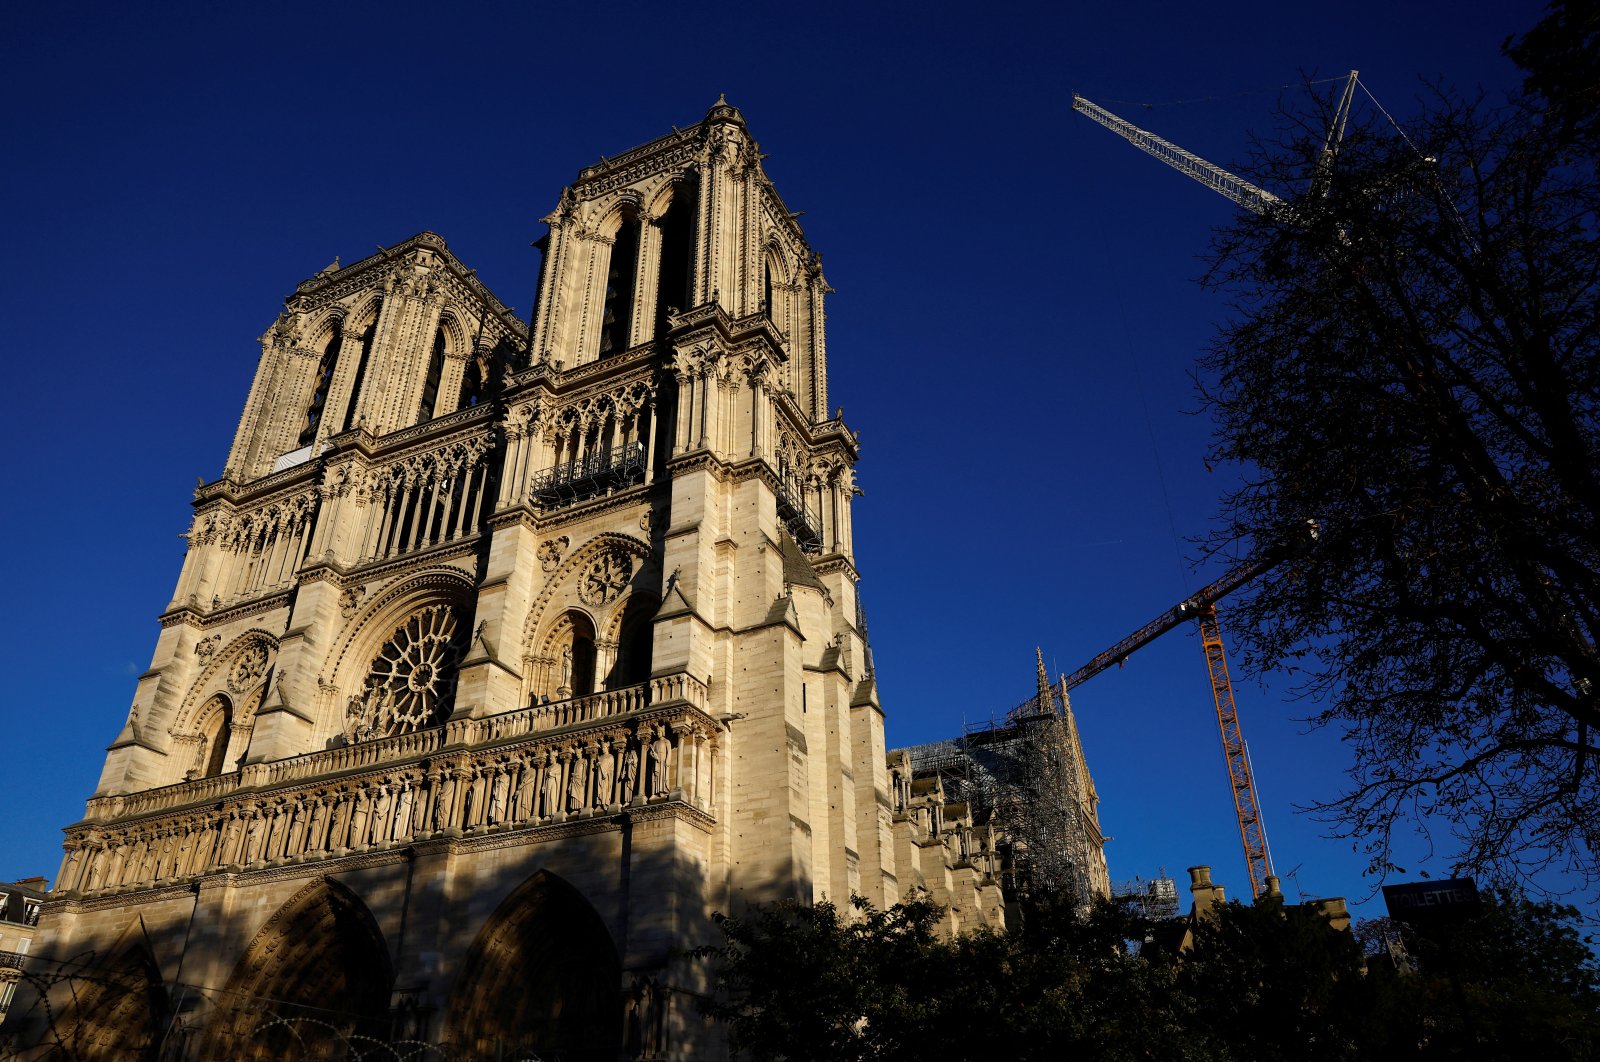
(1154, 899)
(1026, 776)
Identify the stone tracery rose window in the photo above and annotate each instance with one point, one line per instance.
(413, 678)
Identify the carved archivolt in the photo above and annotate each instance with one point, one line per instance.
(582, 562)
(351, 696)
(383, 614)
(239, 669)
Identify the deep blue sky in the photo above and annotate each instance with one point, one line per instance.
(1013, 333)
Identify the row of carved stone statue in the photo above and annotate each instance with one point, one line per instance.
(527, 786)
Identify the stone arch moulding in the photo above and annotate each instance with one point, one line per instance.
(324, 326)
(317, 974)
(661, 191)
(229, 672)
(364, 313)
(609, 211)
(543, 976)
(561, 591)
(457, 339)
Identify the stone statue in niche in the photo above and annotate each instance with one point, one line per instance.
(441, 808)
(297, 829)
(630, 772)
(380, 810)
(565, 689)
(358, 820)
(660, 750)
(523, 803)
(602, 776)
(497, 797)
(552, 786)
(578, 783)
(319, 819)
(402, 811)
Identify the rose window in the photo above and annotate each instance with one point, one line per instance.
(606, 578)
(413, 679)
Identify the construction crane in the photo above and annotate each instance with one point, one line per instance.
(1202, 606)
(1236, 188)
(1202, 609)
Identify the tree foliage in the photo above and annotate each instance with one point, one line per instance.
(1262, 982)
(1414, 363)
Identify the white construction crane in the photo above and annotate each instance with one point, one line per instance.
(1214, 177)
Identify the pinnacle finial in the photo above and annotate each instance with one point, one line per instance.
(1044, 679)
(722, 99)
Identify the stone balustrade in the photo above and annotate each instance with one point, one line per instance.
(576, 711)
(590, 757)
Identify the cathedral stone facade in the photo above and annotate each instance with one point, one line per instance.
(502, 657)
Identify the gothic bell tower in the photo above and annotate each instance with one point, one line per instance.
(494, 639)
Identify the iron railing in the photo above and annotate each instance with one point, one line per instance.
(599, 473)
(800, 519)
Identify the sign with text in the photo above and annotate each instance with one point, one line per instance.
(1422, 900)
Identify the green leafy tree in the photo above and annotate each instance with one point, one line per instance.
(1514, 981)
(1259, 983)
(813, 982)
(1414, 362)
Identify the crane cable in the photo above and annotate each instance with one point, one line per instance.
(1224, 96)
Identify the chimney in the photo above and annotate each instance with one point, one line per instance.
(1207, 896)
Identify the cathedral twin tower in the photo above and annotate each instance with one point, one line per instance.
(502, 658)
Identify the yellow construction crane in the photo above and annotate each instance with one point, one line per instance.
(1202, 608)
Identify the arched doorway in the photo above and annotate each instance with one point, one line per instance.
(542, 977)
(314, 983)
(116, 1014)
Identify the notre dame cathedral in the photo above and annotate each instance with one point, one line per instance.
(502, 657)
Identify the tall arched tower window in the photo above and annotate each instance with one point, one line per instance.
(673, 292)
(621, 273)
(430, 386)
(473, 382)
(361, 370)
(319, 391)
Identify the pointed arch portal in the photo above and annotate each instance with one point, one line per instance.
(542, 976)
(316, 978)
(117, 1011)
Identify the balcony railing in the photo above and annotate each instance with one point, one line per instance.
(599, 473)
(800, 519)
(12, 959)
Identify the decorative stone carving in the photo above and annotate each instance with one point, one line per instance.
(247, 669)
(606, 578)
(551, 552)
(350, 600)
(207, 646)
